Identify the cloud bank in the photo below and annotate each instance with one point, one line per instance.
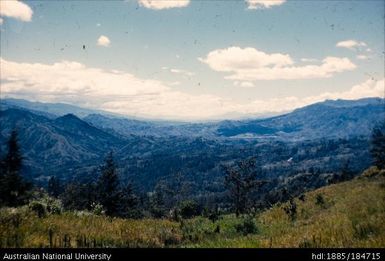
(122, 92)
(16, 9)
(250, 64)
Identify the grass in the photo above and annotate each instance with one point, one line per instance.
(348, 214)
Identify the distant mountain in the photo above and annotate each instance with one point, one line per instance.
(329, 119)
(73, 148)
(49, 109)
(51, 145)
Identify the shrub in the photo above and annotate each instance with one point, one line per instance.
(54, 206)
(319, 200)
(97, 209)
(39, 208)
(291, 209)
(189, 209)
(371, 172)
(247, 226)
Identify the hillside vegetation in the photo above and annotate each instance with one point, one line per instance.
(347, 214)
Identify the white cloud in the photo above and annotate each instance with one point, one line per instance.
(351, 44)
(122, 92)
(249, 64)
(163, 4)
(308, 60)
(362, 57)
(103, 41)
(244, 84)
(183, 72)
(1, 21)
(261, 4)
(16, 10)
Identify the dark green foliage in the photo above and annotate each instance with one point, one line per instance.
(108, 191)
(79, 196)
(189, 209)
(55, 187)
(14, 191)
(156, 203)
(242, 181)
(247, 226)
(38, 208)
(129, 203)
(212, 214)
(378, 146)
(319, 200)
(291, 209)
(346, 173)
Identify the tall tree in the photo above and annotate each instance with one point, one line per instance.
(241, 181)
(13, 188)
(129, 202)
(55, 187)
(378, 145)
(109, 193)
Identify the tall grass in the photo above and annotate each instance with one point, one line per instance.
(348, 214)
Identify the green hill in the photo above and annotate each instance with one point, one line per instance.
(348, 214)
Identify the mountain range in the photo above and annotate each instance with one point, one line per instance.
(70, 142)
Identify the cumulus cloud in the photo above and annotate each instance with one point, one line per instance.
(249, 64)
(351, 44)
(163, 4)
(103, 41)
(261, 4)
(16, 10)
(125, 93)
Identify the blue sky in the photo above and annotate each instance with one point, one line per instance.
(192, 60)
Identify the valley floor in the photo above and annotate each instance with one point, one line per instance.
(348, 214)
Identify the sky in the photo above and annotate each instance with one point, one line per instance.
(192, 60)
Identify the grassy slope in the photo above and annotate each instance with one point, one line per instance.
(352, 215)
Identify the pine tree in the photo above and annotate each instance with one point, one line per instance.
(109, 193)
(241, 181)
(54, 187)
(13, 188)
(378, 146)
(129, 202)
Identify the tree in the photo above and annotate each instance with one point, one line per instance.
(377, 149)
(241, 180)
(346, 173)
(129, 202)
(109, 193)
(55, 187)
(78, 196)
(14, 190)
(189, 209)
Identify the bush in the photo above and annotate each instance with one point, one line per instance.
(189, 209)
(371, 172)
(97, 209)
(54, 206)
(39, 208)
(291, 209)
(247, 226)
(319, 200)
(46, 205)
